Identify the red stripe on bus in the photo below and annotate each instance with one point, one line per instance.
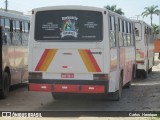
(94, 62)
(40, 63)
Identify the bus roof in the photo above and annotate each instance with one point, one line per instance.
(140, 21)
(78, 7)
(14, 16)
(70, 7)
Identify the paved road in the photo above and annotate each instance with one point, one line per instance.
(144, 94)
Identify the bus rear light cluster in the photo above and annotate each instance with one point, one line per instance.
(35, 75)
(100, 77)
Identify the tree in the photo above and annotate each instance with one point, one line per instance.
(155, 29)
(114, 9)
(151, 11)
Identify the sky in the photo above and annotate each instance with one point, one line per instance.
(131, 8)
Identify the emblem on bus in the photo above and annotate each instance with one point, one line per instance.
(69, 26)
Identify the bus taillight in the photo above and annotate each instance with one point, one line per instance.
(100, 77)
(35, 75)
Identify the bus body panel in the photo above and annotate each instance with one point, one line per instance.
(68, 60)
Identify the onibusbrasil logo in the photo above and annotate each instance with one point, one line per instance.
(69, 26)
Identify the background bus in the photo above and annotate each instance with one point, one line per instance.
(144, 48)
(80, 50)
(13, 50)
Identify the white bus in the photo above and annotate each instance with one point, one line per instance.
(80, 50)
(14, 35)
(144, 48)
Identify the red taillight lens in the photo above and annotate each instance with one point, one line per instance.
(100, 76)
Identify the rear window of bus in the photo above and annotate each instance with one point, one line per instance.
(68, 25)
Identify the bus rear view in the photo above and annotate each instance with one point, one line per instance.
(69, 51)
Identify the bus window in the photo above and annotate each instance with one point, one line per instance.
(20, 24)
(120, 25)
(128, 33)
(69, 25)
(14, 25)
(136, 32)
(120, 32)
(7, 23)
(124, 26)
(17, 26)
(131, 33)
(129, 27)
(2, 22)
(112, 23)
(26, 26)
(124, 33)
(112, 32)
(23, 27)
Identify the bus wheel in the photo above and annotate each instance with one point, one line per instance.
(150, 70)
(138, 73)
(128, 85)
(117, 95)
(57, 96)
(145, 74)
(5, 86)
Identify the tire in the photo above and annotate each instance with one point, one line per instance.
(57, 96)
(118, 94)
(145, 74)
(138, 73)
(128, 85)
(150, 70)
(133, 72)
(5, 86)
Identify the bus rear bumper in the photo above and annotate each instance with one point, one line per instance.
(69, 86)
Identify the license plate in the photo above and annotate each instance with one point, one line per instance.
(67, 75)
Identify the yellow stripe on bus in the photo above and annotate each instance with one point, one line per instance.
(88, 63)
(48, 59)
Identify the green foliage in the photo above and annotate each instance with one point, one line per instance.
(114, 9)
(155, 29)
(151, 11)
